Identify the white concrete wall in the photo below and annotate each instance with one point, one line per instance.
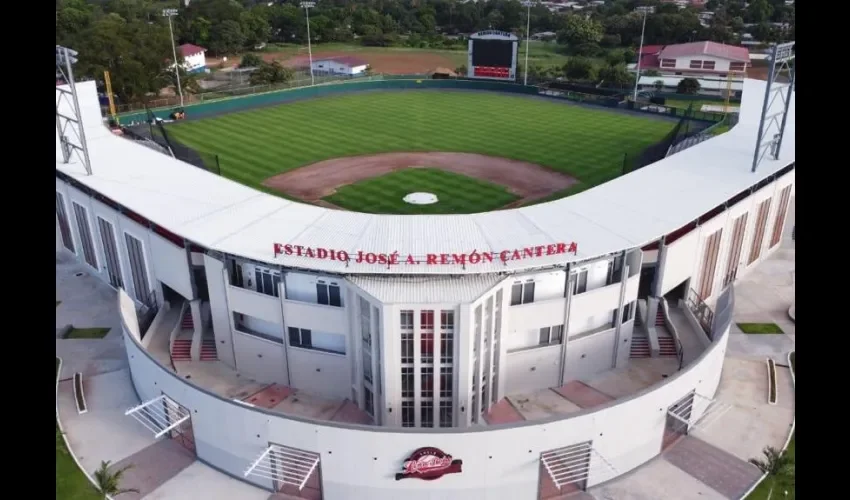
(316, 317)
(220, 310)
(497, 463)
(589, 355)
(260, 359)
(339, 68)
(320, 373)
(255, 304)
(171, 264)
(195, 61)
(684, 63)
(302, 287)
(533, 369)
(526, 320)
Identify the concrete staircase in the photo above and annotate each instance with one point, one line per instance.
(182, 350)
(640, 347)
(666, 342)
(208, 352)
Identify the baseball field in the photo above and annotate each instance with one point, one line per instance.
(476, 151)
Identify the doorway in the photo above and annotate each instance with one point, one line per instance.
(647, 279)
(678, 420)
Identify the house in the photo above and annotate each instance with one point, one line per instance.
(707, 86)
(341, 65)
(695, 59)
(194, 60)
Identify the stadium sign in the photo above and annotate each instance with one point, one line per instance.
(429, 464)
(431, 259)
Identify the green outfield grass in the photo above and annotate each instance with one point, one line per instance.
(457, 194)
(587, 143)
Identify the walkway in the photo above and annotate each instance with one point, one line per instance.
(162, 469)
(711, 462)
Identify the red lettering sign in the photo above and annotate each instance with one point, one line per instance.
(432, 259)
(428, 464)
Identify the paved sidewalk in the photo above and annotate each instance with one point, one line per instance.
(161, 470)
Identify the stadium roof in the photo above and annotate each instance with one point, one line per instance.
(630, 211)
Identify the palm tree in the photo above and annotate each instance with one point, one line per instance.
(778, 467)
(109, 482)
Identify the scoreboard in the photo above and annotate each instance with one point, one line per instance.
(492, 55)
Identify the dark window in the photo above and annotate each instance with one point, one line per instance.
(407, 414)
(82, 217)
(64, 227)
(427, 382)
(328, 294)
(407, 382)
(446, 381)
(368, 401)
(446, 417)
(427, 414)
(300, 337)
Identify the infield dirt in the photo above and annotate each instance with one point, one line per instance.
(315, 181)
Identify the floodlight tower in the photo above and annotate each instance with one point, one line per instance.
(773, 118)
(76, 142)
(169, 13)
(528, 4)
(307, 6)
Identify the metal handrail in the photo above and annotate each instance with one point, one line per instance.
(702, 312)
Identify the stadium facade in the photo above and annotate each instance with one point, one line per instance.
(331, 354)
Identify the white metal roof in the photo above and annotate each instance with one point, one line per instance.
(626, 212)
(431, 290)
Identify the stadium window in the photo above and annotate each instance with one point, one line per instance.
(551, 335)
(446, 382)
(407, 347)
(580, 282)
(446, 419)
(267, 281)
(447, 320)
(407, 382)
(426, 345)
(406, 320)
(426, 320)
(628, 310)
(407, 414)
(328, 294)
(522, 293)
(367, 367)
(300, 337)
(369, 401)
(426, 381)
(427, 414)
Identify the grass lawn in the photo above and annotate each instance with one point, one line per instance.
(586, 143)
(71, 483)
(760, 328)
(457, 194)
(760, 493)
(87, 333)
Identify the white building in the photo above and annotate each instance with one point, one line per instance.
(194, 58)
(341, 65)
(695, 59)
(389, 335)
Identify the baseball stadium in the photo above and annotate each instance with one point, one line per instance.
(417, 288)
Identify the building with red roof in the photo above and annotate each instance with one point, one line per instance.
(695, 59)
(194, 58)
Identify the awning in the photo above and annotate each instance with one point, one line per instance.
(285, 465)
(160, 415)
(571, 464)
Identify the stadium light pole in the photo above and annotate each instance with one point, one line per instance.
(527, 4)
(640, 53)
(307, 6)
(169, 13)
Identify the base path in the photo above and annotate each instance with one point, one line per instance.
(318, 180)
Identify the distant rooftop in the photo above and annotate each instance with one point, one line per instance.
(347, 60)
(188, 49)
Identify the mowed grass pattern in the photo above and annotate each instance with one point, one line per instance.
(457, 194)
(587, 143)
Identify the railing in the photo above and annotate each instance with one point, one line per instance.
(701, 311)
(680, 350)
(147, 311)
(729, 121)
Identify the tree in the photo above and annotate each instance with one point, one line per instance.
(616, 76)
(461, 70)
(650, 72)
(579, 68)
(778, 468)
(271, 73)
(250, 61)
(109, 482)
(579, 30)
(227, 38)
(688, 86)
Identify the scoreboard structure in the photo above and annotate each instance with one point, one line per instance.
(492, 55)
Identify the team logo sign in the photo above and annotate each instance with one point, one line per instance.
(429, 464)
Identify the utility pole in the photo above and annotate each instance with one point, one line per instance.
(307, 6)
(169, 13)
(527, 4)
(640, 54)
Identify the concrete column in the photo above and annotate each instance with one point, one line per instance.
(464, 336)
(197, 334)
(618, 320)
(391, 365)
(652, 305)
(217, 283)
(417, 367)
(568, 299)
